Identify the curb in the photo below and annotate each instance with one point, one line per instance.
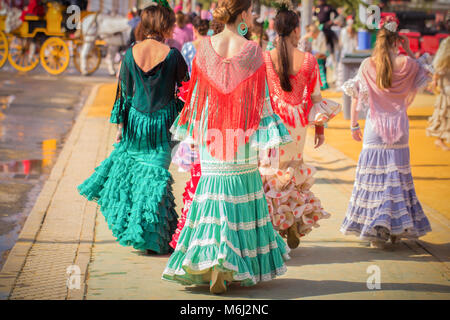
(18, 254)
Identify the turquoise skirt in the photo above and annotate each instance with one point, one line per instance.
(133, 189)
(228, 226)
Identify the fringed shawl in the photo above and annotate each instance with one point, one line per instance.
(297, 103)
(388, 106)
(226, 95)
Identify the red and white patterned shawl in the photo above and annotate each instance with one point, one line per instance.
(296, 103)
(234, 90)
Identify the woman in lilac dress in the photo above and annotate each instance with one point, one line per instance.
(384, 203)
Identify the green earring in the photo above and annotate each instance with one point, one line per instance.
(241, 31)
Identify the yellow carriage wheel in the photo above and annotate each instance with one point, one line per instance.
(22, 54)
(55, 55)
(3, 48)
(93, 60)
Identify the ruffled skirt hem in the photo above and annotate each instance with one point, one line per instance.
(136, 200)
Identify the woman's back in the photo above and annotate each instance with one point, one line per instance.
(228, 45)
(148, 54)
(151, 72)
(296, 58)
(303, 70)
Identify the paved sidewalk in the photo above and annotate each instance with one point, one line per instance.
(64, 229)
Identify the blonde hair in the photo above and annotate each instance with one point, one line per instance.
(441, 61)
(386, 40)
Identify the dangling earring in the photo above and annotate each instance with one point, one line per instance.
(241, 31)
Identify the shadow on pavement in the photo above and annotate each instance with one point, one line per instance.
(299, 288)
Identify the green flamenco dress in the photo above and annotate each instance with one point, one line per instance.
(133, 186)
(228, 227)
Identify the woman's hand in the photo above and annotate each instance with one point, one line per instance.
(319, 139)
(119, 135)
(357, 135)
(404, 41)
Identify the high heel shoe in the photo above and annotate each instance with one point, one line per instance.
(217, 285)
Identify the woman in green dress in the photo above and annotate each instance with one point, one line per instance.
(228, 235)
(133, 185)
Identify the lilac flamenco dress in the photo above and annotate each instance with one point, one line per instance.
(384, 202)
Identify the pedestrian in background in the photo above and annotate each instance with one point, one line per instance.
(439, 122)
(133, 185)
(182, 33)
(318, 46)
(259, 35)
(348, 43)
(384, 204)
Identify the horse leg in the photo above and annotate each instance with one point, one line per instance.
(85, 49)
(112, 51)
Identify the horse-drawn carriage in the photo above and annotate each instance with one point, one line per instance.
(48, 39)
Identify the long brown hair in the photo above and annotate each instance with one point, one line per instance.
(386, 40)
(285, 22)
(156, 20)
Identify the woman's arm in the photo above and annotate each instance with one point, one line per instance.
(436, 77)
(316, 97)
(405, 45)
(354, 126)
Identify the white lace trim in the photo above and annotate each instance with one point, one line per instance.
(226, 166)
(374, 187)
(240, 252)
(370, 204)
(227, 198)
(237, 161)
(412, 232)
(385, 146)
(406, 169)
(233, 226)
(383, 170)
(362, 218)
(219, 173)
(238, 276)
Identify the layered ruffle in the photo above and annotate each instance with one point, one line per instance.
(228, 228)
(271, 133)
(323, 111)
(188, 197)
(290, 199)
(384, 197)
(356, 87)
(135, 198)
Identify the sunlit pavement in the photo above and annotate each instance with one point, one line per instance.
(37, 111)
(64, 230)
